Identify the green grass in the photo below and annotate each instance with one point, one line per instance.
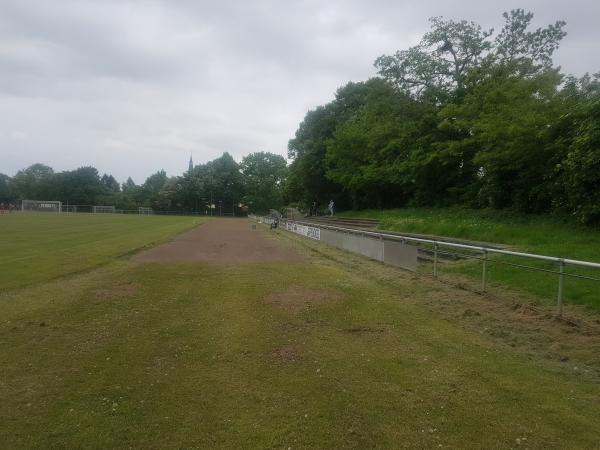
(40, 247)
(542, 235)
(192, 356)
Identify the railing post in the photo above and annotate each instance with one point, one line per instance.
(561, 281)
(435, 259)
(483, 280)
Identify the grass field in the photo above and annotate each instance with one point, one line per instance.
(40, 247)
(332, 352)
(542, 235)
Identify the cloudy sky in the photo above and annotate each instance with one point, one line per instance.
(134, 86)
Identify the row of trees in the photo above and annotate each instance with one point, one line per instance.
(257, 183)
(462, 118)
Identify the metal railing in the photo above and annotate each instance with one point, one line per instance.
(482, 253)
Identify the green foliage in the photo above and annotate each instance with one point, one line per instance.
(440, 62)
(264, 178)
(515, 43)
(109, 183)
(582, 165)
(152, 187)
(79, 187)
(5, 188)
(308, 172)
(219, 182)
(366, 153)
(33, 182)
(462, 118)
(503, 123)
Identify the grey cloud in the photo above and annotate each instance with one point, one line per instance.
(135, 86)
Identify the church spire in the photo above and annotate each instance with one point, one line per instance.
(191, 166)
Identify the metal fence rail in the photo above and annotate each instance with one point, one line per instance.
(481, 253)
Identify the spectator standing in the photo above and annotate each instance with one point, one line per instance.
(331, 207)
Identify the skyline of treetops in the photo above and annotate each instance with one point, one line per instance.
(468, 116)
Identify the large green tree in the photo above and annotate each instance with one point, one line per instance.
(308, 181)
(581, 168)
(6, 193)
(264, 177)
(440, 63)
(33, 183)
(367, 153)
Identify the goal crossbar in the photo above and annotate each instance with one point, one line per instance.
(103, 209)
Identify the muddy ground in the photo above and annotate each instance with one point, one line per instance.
(228, 241)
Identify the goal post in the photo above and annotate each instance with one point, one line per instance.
(41, 206)
(145, 211)
(103, 209)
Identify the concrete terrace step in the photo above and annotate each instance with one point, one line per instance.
(371, 224)
(343, 222)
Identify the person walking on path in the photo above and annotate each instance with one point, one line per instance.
(330, 207)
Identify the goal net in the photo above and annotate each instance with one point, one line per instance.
(145, 211)
(41, 206)
(103, 209)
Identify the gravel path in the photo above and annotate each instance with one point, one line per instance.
(228, 241)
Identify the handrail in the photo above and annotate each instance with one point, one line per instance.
(398, 237)
(562, 262)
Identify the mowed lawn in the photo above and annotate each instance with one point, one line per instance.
(287, 355)
(38, 247)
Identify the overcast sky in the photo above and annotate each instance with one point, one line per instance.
(132, 87)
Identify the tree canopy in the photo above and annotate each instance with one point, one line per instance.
(467, 116)
(464, 117)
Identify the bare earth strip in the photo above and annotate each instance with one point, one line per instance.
(229, 241)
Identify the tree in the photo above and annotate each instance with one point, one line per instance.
(110, 184)
(82, 186)
(151, 188)
(503, 127)
(535, 48)
(264, 176)
(167, 199)
(226, 182)
(581, 171)
(217, 182)
(366, 153)
(308, 180)
(440, 63)
(129, 186)
(5, 188)
(33, 183)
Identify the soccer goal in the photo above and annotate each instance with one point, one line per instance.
(145, 211)
(103, 209)
(41, 206)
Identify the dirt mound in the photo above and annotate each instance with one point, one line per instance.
(225, 241)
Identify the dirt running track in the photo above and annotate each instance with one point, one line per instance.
(227, 241)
